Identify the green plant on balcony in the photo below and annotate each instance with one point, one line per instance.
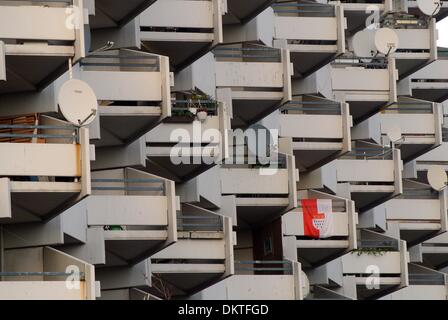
(371, 251)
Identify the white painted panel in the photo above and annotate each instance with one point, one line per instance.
(26, 159)
(306, 28)
(257, 287)
(250, 181)
(420, 292)
(127, 210)
(181, 14)
(435, 70)
(413, 38)
(122, 85)
(413, 209)
(249, 74)
(40, 290)
(389, 262)
(360, 79)
(365, 170)
(437, 154)
(409, 123)
(33, 22)
(311, 126)
(193, 249)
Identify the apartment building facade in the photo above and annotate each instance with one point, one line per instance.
(223, 150)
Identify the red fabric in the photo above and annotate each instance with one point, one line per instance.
(310, 212)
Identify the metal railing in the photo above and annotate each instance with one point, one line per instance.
(180, 107)
(254, 54)
(122, 60)
(304, 9)
(78, 275)
(312, 107)
(426, 279)
(264, 267)
(390, 245)
(128, 185)
(410, 107)
(14, 132)
(199, 222)
(374, 153)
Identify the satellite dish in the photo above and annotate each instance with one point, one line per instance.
(364, 43)
(437, 178)
(78, 102)
(429, 7)
(394, 133)
(386, 41)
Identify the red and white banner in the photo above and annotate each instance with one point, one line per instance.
(317, 218)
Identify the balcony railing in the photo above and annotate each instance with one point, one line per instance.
(264, 267)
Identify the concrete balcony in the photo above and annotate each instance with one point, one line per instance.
(432, 283)
(312, 253)
(417, 42)
(183, 30)
(115, 14)
(418, 214)
(119, 205)
(43, 159)
(434, 252)
(37, 40)
(369, 175)
(436, 156)
(239, 12)
(252, 80)
(44, 273)
(182, 147)
(378, 267)
(202, 256)
(429, 83)
(261, 193)
(133, 89)
(365, 86)
(259, 280)
(314, 33)
(420, 124)
(315, 130)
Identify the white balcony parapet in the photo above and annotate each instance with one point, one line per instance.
(39, 33)
(166, 28)
(252, 80)
(315, 130)
(260, 280)
(366, 86)
(51, 160)
(133, 90)
(203, 254)
(370, 175)
(418, 214)
(119, 205)
(389, 265)
(314, 33)
(261, 193)
(420, 124)
(422, 279)
(315, 252)
(429, 83)
(44, 273)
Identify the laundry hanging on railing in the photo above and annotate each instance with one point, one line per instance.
(318, 218)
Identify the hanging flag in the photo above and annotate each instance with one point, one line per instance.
(317, 218)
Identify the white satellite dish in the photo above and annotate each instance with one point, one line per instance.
(364, 43)
(429, 7)
(394, 133)
(437, 178)
(386, 41)
(78, 102)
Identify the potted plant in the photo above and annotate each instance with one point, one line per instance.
(201, 114)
